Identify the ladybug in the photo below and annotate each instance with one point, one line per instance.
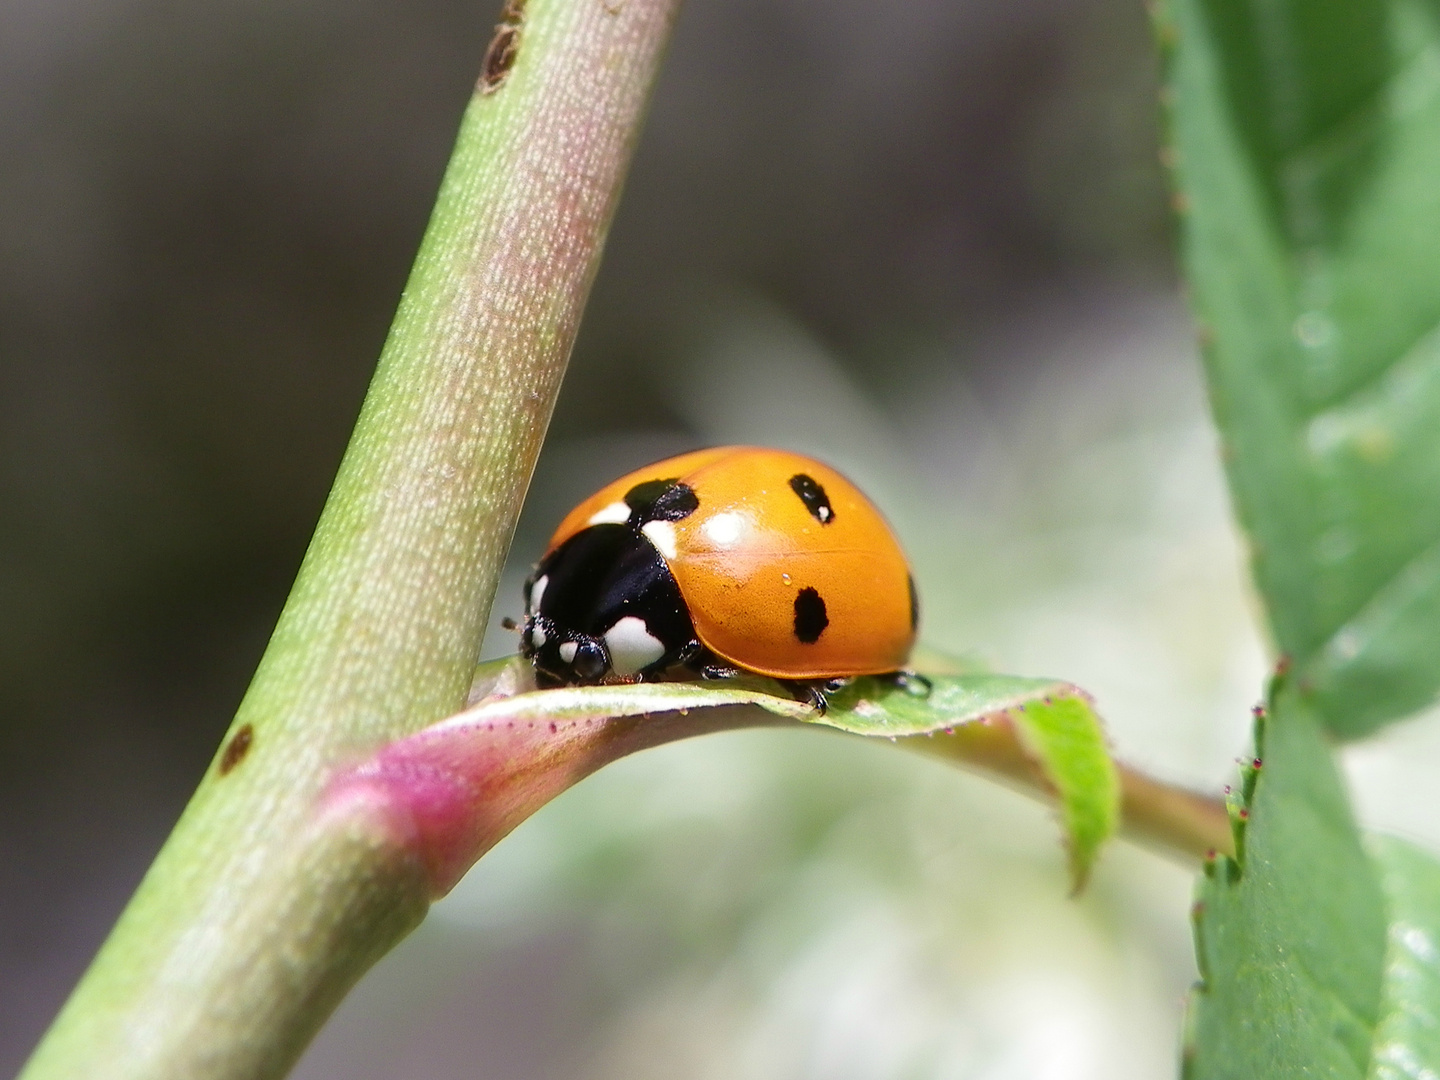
(722, 561)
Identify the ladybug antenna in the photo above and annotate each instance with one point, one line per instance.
(509, 624)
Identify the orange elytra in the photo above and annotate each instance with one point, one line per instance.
(735, 557)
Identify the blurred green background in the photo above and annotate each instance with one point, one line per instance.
(928, 242)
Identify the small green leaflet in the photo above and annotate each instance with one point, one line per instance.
(1055, 725)
(1018, 726)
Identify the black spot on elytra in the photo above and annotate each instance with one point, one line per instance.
(814, 497)
(661, 500)
(810, 617)
(914, 602)
(236, 749)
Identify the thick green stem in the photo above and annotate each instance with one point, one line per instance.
(258, 914)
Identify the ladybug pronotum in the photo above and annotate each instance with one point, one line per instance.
(725, 560)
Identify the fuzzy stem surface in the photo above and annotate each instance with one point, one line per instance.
(260, 912)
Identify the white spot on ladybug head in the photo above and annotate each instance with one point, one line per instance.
(631, 646)
(532, 602)
(823, 513)
(567, 652)
(662, 535)
(537, 636)
(617, 513)
(724, 529)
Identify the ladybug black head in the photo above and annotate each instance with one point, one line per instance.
(603, 606)
(562, 658)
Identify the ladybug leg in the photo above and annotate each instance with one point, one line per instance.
(546, 681)
(911, 682)
(814, 694)
(705, 663)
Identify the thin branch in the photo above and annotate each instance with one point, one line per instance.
(1174, 820)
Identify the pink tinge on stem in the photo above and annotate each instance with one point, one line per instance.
(451, 792)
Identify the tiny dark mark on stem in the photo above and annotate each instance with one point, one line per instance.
(504, 47)
(236, 749)
(499, 58)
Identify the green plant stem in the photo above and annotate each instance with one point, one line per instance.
(259, 914)
(1174, 821)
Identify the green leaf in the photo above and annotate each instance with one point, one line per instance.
(1301, 975)
(1407, 1041)
(1306, 142)
(1290, 935)
(1054, 723)
(471, 778)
